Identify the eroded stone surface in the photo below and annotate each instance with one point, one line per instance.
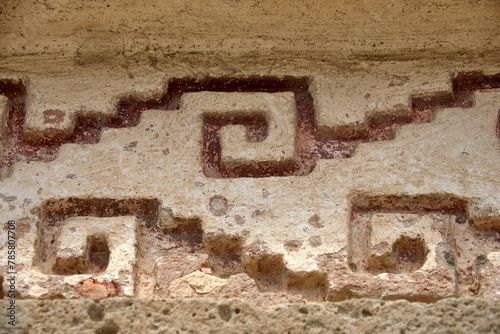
(231, 316)
(269, 151)
(415, 219)
(321, 31)
(345, 105)
(83, 257)
(311, 154)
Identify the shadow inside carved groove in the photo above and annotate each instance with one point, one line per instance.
(55, 210)
(487, 225)
(225, 258)
(271, 275)
(444, 203)
(268, 271)
(312, 143)
(94, 261)
(98, 253)
(189, 230)
(224, 254)
(407, 255)
(313, 286)
(498, 124)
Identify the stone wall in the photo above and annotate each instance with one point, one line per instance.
(277, 152)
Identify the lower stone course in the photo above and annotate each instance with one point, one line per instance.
(128, 315)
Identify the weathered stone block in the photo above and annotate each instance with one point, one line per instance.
(92, 257)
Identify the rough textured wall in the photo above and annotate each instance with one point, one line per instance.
(276, 152)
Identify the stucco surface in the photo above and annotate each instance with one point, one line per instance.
(233, 316)
(289, 154)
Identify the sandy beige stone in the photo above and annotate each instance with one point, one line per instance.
(68, 269)
(93, 33)
(233, 316)
(347, 104)
(200, 282)
(174, 266)
(101, 149)
(422, 159)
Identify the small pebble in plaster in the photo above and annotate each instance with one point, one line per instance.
(218, 205)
